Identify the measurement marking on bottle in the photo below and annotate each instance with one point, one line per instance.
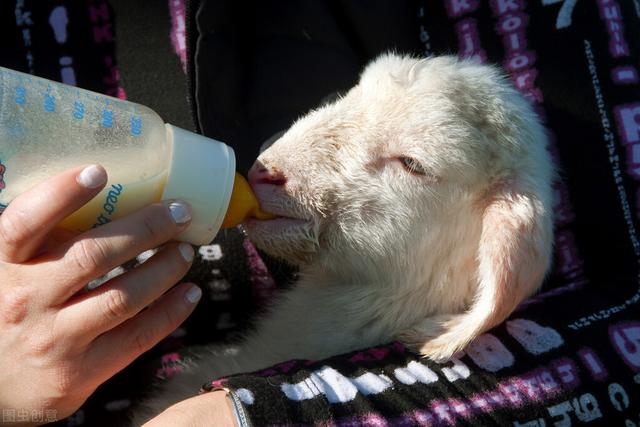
(107, 118)
(21, 95)
(49, 103)
(136, 125)
(78, 110)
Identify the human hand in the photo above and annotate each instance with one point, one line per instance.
(209, 409)
(58, 342)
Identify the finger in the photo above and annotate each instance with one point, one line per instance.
(32, 215)
(100, 250)
(123, 297)
(55, 238)
(114, 350)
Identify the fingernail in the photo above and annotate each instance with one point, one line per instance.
(180, 212)
(92, 177)
(186, 250)
(193, 295)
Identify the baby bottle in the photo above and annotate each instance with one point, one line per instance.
(47, 127)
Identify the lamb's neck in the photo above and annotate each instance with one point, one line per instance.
(373, 276)
(395, 275)
(436, 276)
(331, 311)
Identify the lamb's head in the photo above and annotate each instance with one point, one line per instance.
(425, 163)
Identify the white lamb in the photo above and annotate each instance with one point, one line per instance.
(417, 207)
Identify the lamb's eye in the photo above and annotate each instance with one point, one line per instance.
(412, 165)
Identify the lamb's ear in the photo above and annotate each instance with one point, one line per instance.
(513, 257)
(514, 252)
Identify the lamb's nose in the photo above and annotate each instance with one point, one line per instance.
(260, 174)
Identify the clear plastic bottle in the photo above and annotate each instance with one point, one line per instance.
(47, 127)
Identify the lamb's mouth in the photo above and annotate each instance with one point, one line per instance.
(291, 220)
(277, 224)
(294, 240)
(286, 224)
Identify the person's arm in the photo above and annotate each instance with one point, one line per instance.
(59, 342)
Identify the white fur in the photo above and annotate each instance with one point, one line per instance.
(384, 254)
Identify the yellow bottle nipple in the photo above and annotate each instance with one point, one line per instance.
(243, 204)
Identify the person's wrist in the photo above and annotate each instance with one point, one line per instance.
(213, 408)
(237, 410)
